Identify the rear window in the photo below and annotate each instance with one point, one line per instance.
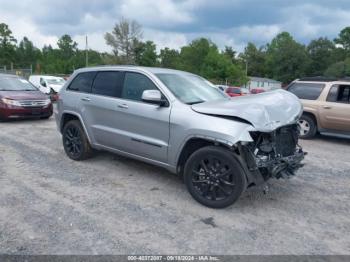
(108, 84)
(308, 91)
(82, 82)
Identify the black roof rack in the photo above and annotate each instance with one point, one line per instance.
(323, 79)
(319, 78)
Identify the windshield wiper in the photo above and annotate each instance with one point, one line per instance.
(195, 102)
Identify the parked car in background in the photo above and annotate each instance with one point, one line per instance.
(20, 99)
(326, 106)
(180, 121)
(233, 91)
(257, 91)
(49, 85)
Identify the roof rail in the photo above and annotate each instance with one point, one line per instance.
(319, 78)
(346, 78)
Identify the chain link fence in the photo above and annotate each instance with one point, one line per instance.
(23, 72)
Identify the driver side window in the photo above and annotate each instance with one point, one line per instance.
(135, 84)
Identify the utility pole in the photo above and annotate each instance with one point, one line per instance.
(86, 52)
(246, 71)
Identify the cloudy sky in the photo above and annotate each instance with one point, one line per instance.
(174, 23)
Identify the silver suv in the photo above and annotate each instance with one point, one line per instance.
(180, 121)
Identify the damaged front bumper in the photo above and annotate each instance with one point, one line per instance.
(281, 167)
(272, 155)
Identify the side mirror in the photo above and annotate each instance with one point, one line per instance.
(153, 97)
(43, 84)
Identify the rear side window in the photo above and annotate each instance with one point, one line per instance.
(135, 84)
(339, 94)
(108, 84)
(82, 82)
(308, 91)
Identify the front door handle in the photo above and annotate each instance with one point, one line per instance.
(327, 107)
(86, 99)
(124, 106)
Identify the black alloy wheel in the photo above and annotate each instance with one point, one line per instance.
(214, 177)
(75, 142)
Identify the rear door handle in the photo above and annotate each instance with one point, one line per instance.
(124, 106)
(327, 107)
(86, 99)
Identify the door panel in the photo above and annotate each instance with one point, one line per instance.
(145, 129)
(131, 126)
(335, 116)
(335, 112)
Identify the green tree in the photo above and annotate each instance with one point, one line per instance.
(169, 58)
(194, 54)
(50, 62)
(203, 57)
(339, 69)
(219, 68)
(7, 45)
(124, 39)
(286, 59)
(27, 54)
(67, 47)
(254, 60)
(344, 38)
(146, 54)
(230, 54)
(321, 53)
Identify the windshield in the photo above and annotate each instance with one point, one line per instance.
(190, 89)
(15, 84)
(55, 81)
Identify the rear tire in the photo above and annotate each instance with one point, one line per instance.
(75, 142)
(307, 127)
(214, 177)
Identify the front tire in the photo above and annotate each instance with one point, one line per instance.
(75, 142)
(307, 127)
(214, 177)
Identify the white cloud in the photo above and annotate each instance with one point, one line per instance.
(150, 12)
(174, 23)
(166, 39)
(257, 32)
(95, 42)
(25, 27)
(312, 21)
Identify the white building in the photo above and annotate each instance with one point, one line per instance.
(264, 83)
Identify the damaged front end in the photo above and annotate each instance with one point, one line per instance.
(274, 154)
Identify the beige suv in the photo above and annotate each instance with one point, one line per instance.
(326, 106)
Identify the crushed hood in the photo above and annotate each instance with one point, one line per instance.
(265, 111)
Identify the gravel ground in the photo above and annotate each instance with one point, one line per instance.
(113, 205)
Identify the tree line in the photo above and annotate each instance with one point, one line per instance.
(283, 59)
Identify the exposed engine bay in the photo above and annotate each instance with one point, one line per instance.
(275, 154)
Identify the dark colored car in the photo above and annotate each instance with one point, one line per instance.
(233, 91)
(20, 99)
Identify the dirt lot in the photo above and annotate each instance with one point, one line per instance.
(113, 205)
